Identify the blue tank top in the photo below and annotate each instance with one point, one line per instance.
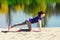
(34, 20)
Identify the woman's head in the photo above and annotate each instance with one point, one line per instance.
(41, 13)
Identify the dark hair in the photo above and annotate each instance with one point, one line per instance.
(40, 13)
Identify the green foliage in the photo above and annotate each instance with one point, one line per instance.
(3, 1)
(51, 1)
(19, 2)
(30, 5)
(27, 2)
(11, 2)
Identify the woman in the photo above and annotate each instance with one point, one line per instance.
(38, 19)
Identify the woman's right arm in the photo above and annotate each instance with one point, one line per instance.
(40, 24)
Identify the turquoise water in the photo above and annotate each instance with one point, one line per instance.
(53, 21)
(19, 17)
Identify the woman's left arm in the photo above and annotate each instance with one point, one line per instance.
(40, 24)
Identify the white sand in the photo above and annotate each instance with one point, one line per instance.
(46, 34)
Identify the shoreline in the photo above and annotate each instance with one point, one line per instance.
(46, 34)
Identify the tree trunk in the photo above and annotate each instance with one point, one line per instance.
(9, 16)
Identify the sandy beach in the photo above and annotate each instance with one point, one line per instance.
(46, 34)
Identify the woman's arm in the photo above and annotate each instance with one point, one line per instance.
(40, 24)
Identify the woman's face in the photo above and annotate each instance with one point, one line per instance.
(43, 15)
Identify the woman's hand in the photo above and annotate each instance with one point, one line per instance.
(40, 29)
(40, 24)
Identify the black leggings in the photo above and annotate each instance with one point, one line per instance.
(26, 22)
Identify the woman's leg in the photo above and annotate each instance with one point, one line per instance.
(16, 25)
(29, 25)
(19, 24)
(26, 22)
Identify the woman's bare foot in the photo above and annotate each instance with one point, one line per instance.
(9, 28)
